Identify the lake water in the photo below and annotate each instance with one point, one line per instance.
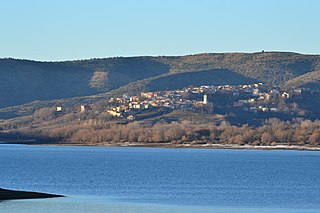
(104, 179)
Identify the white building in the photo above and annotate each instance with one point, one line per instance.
(205, 99)
(59, 109)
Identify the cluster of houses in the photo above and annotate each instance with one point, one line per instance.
(252, 97)
(261, 97)
(130, 106)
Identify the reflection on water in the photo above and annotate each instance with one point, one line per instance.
(98, 205)
(101, 179)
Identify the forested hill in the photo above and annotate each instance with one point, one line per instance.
(309, 80)
(24, 81)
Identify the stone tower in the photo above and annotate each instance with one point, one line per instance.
(205, 99)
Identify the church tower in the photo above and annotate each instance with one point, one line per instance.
(205, 99)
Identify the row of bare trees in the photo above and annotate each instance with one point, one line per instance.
(274, 131)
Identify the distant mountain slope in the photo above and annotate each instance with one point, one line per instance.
(308, 80)
(271, 67)
(181, 80)
(23, 81)
(124, 70)
(207, 77)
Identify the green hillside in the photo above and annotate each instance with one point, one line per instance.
(24, 81)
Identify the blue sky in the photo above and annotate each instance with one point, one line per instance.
(54, 30)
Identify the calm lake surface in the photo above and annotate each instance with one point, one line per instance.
(104, 179)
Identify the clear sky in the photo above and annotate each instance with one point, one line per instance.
(76, 29)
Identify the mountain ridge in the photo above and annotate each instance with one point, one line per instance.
(23, 81)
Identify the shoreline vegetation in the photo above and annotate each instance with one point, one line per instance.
(297, 134)
(6, 194)
(167, 145)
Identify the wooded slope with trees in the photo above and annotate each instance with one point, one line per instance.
(24, 81)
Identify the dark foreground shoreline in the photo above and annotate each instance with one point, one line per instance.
(6, 194)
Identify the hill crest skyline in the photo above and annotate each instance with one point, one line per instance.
(157, 55)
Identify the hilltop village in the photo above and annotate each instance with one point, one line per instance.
(253, 98)
(213, 115)
(258, 98)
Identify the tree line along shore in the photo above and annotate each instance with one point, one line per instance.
(185, 133)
